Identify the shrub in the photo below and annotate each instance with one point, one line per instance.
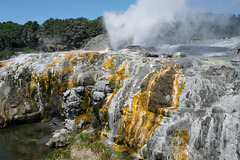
(6, 54)
(28, 50)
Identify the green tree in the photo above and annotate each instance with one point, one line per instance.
(10, 34)
(76, 32)
(95, 27)
(29, 35)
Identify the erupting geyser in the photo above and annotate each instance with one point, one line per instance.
(141, 21)
(150, 22)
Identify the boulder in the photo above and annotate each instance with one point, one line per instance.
(98, 96)
(58, 142)
(72, 101)
(235, 61)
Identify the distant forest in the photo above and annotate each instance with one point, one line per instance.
(66, 34)
(52, 35)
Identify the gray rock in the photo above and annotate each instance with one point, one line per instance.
(210, 115)
(144, 51)
(149, 54)
(235, 61)
(178, 54)
(99, 42)
(234, 52)
(58, 142)
(70, 125)
(59, 132)
(199, 108)
(137, 47)
(98, 96)
(81, 124)
(184, 63)
(72, 101)
(101, 85)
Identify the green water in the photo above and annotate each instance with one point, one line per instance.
(25, 142)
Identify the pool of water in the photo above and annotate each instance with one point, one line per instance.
(26, 141)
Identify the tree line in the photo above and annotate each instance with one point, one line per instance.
(52, 35)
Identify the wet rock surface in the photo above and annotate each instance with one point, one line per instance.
(166, 106)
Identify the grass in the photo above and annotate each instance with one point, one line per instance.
(119, 156)
(84, 141)
(107, 155)
(33, 140)
(97, 147)
(57, 154)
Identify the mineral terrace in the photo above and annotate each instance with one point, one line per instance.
(153, 105)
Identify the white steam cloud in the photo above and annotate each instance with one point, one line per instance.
(147, 21)
(140, 21)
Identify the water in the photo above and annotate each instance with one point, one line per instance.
(26, 141)
(201, 49)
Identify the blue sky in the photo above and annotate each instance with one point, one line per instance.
(21, 11)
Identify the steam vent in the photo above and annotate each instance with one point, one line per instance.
(148, 104)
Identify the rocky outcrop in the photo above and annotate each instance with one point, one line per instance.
(205, 125)
(58, 142)
(159, 107)
(72, 102)
(98, 43)
(51, 45)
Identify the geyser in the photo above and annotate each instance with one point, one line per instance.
(141, 21)
(153, 22)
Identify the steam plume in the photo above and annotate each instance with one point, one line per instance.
(149, 21)
(141, 20)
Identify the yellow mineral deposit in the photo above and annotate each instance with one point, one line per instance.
(224, 76)
(33, 82)
(46, 76)
(109, 63)
(117, 78)
(178, 88)
(3, 63)
(89, 55)
(137, 122)
(180, 145)
(87, 109)
(69, 68)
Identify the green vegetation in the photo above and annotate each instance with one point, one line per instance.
(28, 50)
(52, 35)
(107, 155)
(86, 148)
(57, 154)
(72, 32)
(33, 140)
(6, 53)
